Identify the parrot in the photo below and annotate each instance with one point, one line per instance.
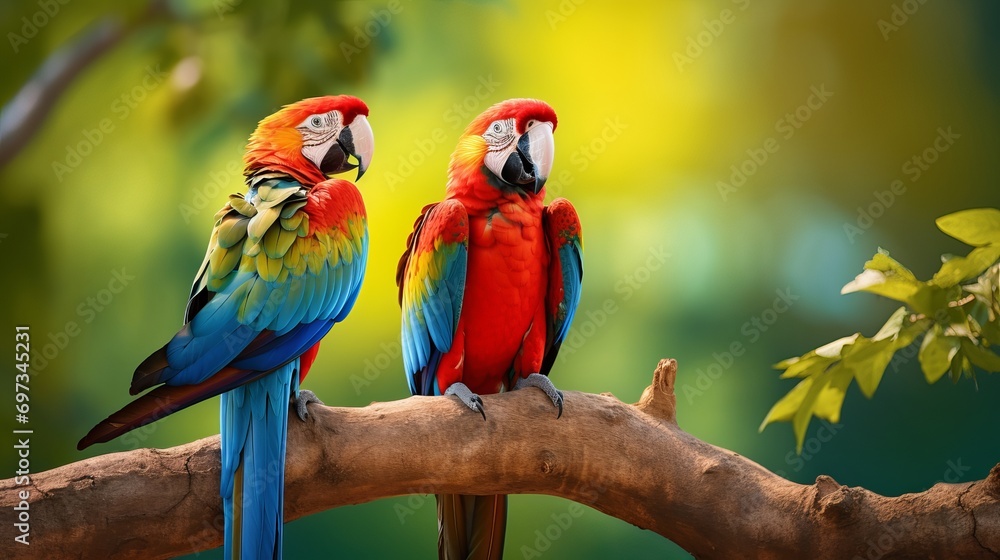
(488, 285)
(284, 263)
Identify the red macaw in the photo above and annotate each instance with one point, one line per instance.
(285, 263)
(488, 286)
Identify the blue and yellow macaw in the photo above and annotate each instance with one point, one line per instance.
(284, 263)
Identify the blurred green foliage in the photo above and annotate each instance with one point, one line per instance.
(717, 152)
(956, 323)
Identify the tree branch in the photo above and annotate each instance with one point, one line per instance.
(628, 461)
(25, 113)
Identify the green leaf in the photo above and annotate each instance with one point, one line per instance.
(882, 262)
(816, 360)
(981, 357)
(892, 325)
(976, 227)
(785, 408)
(911, 332)
(959, 268)
(986, 290)
(786, 363)
(885, 277)
(831, 399)
(834, 349)
(800, 423)
(808, 365)
(991, 332)
(958, 365)
(961, 338)
(936, 353)
(880, 283)
(868, 360)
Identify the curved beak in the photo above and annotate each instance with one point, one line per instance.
(358, 140)
(530, 160)
(539, 147)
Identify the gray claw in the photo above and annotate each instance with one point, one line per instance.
(545, 384)
(302, 400)
(469, 398)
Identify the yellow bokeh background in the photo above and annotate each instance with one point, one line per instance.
(657, 102)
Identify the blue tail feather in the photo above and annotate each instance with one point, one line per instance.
(254, 431)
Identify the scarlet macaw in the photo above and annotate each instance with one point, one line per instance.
(488, 286)
(284, 263)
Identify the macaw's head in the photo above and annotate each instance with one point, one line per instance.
(313, 139)
(511, 144)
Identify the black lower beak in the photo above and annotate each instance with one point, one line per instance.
(337, 158)
(519, 169)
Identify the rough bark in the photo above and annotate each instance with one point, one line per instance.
(628, 461)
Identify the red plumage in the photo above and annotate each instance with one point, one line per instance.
(482, 288)
(306, 361)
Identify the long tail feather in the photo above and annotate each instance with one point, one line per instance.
(254, 421)
(148, 372)
(471, 527)
(163, 401)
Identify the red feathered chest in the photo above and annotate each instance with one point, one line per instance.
(505, 291)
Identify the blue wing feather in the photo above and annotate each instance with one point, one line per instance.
(431, 276)
(562, 229)
(251, 331)
(572, 273)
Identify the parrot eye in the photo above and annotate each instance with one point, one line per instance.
(499, 133)
(316, 121)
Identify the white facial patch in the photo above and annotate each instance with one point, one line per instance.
(501, 140)
(319, 132)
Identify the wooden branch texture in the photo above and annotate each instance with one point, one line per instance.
(628, 461)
